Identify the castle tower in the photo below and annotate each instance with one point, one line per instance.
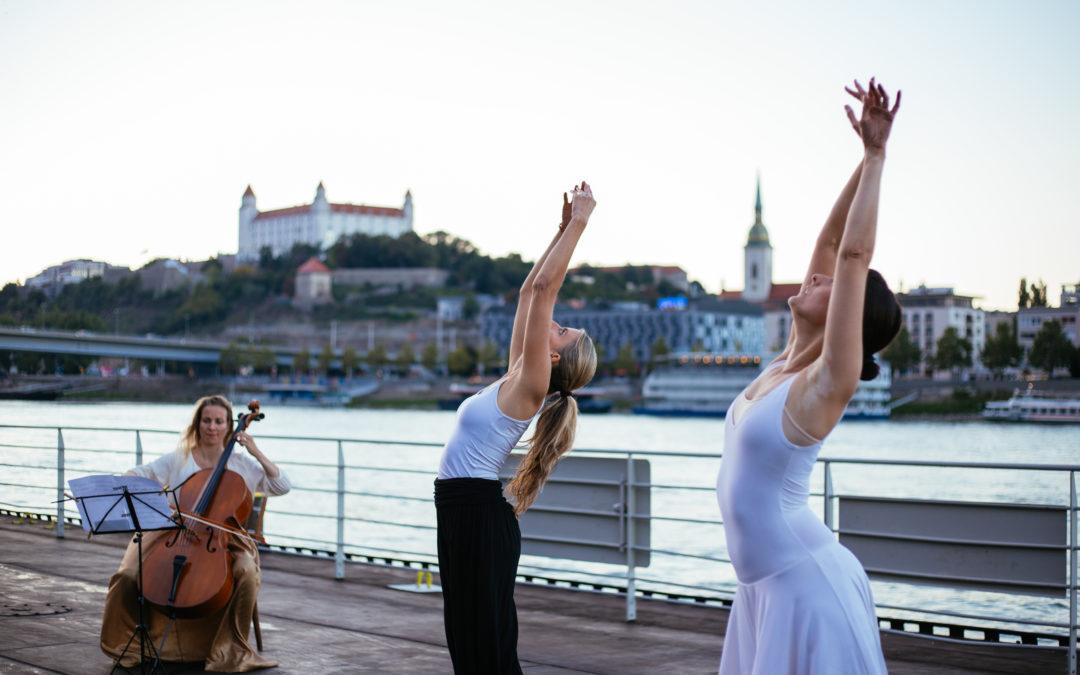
(407, 210)
(757, 257)
(320, 218)
(248, 211)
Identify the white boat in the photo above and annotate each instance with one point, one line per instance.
(1034, 406)
(704, 385)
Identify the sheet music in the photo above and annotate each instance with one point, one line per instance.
(102, 504)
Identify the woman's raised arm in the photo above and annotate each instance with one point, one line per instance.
(532, 384)
(841, 355)
(517, 335)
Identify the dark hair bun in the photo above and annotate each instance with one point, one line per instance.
(870, 369)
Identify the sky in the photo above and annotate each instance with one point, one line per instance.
(129, 130)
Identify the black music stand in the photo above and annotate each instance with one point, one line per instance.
(149, 659)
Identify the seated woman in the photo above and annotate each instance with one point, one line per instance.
(221, 638)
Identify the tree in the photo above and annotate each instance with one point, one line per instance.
(203, 305)
(952, 351)
(461, 361)
(1051, 348)
(1038, 294)
(625, 363)
(470, 308)
(430, 356)
(231, 358)
(1024, 299)
(376, 357)
(326, 357)
(487, 357)
(262, 359)
(902, 353)
(302, 361)
(406, 357)
(1002, 350)
(349, 361)
(659, 349)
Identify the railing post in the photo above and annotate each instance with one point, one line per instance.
(339, 554)
(59, 483)
(631, 590)
(1072, 573)
(138, 448)
(830, 517)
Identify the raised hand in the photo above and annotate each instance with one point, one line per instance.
(583, 203)
(875, 122)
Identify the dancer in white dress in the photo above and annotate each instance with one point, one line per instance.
(803, 603)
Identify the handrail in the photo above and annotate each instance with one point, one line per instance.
(837, 459)
(829, 494)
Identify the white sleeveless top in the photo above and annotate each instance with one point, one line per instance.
(482, 438)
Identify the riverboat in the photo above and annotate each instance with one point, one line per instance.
(1036, 406)
(704, 385)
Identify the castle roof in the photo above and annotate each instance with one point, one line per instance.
(362, 209)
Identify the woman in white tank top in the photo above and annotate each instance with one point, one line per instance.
(479, 541)
(803, 602)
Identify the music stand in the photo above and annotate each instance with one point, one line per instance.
(114, 491)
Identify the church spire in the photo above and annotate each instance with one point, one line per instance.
(759, 236)
(757, 201)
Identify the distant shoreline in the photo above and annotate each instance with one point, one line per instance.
(427, 403)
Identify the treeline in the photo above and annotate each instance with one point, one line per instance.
(469, 268)
(261, 292)
(1051, 350)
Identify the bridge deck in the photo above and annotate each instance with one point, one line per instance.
(314, 624)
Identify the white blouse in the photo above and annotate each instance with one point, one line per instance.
(174, 468)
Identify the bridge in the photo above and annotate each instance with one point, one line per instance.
(147, 348)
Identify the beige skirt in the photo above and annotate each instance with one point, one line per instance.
(220, 639)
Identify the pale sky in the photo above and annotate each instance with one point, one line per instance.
(128, 130)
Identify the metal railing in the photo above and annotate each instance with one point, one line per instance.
(343, 549)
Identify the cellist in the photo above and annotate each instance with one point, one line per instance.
(219, 639)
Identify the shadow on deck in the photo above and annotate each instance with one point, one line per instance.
(314, 624)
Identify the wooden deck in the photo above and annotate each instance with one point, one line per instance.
(52, 590)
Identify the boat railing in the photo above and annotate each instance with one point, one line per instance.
(327, 484)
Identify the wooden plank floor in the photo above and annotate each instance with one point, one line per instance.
(314, 624)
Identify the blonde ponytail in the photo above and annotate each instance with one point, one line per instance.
(554, 435)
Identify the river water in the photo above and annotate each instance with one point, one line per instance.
(881, 440)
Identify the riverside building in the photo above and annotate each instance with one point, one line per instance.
(929, 312)
(722, 327)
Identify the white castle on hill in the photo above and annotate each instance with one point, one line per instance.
(319, 223)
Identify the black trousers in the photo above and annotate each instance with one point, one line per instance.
(479, 546)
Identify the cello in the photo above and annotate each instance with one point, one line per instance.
(189, 572)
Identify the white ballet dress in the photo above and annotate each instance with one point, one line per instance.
(803, 602)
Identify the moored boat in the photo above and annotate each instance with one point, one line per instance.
(1036, 406)
(704, 385)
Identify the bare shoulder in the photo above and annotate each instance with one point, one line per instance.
(812, 401)
(517, 400)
